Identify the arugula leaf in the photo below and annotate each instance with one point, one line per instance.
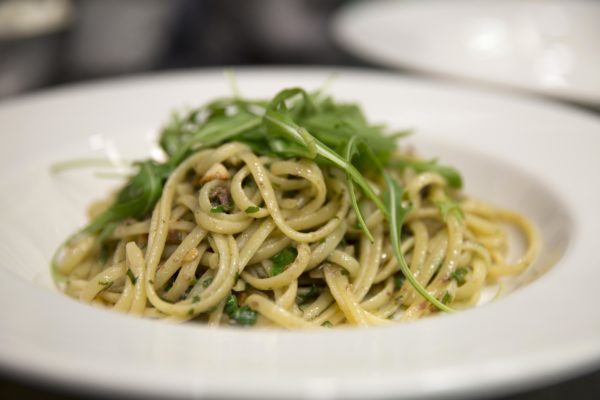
(280, 130)
(448, 206)
(282, 259)
(397, 214)
(451, 175)
(350, 151)
(293, 124)
(136, 199)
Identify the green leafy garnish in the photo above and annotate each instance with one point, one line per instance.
(448, 206)
(397, 214)
(327, 324)
(207, 283)
(282, 259)
(136, 199)
(288, 125)
(294, 123)
(451, 175)
(240, 315)
(195, 299)
(350, 151)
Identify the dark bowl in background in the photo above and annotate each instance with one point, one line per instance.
(31, 32)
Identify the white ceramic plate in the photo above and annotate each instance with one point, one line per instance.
(548, 47)
(532, 156)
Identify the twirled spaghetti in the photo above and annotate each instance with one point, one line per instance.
(255, 238)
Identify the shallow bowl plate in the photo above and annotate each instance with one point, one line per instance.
(532, 156)
(547, 47)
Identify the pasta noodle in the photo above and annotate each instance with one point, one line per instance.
(247, 238)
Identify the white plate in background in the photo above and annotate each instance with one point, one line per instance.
(532, 156)
(548, 47)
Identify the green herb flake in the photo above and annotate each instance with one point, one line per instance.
(218, 209)
(169, 284)
(131, 277)
(252, 210)
(282, 259)
(245, 316)
(190, 312)
(231, 305)
(207, 283)
(399, 279)
(459, 275)
(192, 282)
(447, 299)
(240, 315)
(196, 299)
(327, 324)
(313, 292)
(105, 283)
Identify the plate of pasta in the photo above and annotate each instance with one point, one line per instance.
(282, 233)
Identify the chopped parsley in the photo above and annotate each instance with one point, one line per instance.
(313, 292)
(459, 275)
(282, 259)
(218, 209)
(398, 280)
(447, 298)
(240, 315)
(252, 210)
(131, 277)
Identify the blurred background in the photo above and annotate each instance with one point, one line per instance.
(52, 42)
(49, 43)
